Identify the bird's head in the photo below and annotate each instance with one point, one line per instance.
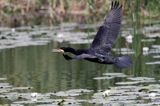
(58, 50)
(63, 50)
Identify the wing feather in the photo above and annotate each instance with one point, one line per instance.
(108, 32)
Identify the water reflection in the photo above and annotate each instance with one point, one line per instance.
(38, 67)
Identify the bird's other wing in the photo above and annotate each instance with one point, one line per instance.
(108, 32)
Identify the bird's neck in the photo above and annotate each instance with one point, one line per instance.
(75, 51)
(80, 51)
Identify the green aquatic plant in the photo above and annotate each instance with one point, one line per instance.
(136, 24)
(137, 33)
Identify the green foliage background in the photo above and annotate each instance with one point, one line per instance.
(51, 12)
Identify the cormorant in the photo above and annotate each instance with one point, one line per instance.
(100, 49)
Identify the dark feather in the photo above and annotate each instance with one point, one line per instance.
(67, 57)
(85, 56)
(108, 32)
(100, 50)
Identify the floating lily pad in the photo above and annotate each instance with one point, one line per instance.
(78, 37)
(140, 78)
(143, 104)
(130, 88)
(127, 83)
(154, 86)
(122, 98)
(156, 46)
(52, 104)
(99, 101)
(148, 40)
(81, 41)
(15, 105)
(63, 93)
(153, 63)
(5, 85)
(3, 79)
(21, 88)
(103, 78)
(115, 74)
(43, 101)
(80, 91)
(157, 56)
(72, 92)
(153, 35)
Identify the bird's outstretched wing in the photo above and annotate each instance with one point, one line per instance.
(108, 32)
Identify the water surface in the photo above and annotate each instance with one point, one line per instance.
(32, 75)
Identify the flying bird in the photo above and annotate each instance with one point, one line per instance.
(100, 49)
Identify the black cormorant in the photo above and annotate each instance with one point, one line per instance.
(100, 49)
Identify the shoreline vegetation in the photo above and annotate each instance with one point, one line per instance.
(16, 13)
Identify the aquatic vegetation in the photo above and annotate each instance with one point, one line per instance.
(51, 12)
(103, 78)
(132, 94)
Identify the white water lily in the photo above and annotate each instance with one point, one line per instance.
(13, 29)
(152, 94)
(34, 96)
(59, 35)
(106, 92)
(129, 39)
(145, 50)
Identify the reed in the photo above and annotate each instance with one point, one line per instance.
(137, 25)
(50, 12)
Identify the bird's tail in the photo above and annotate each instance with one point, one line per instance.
(123, 62)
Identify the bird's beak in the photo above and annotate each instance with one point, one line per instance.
(58, 50)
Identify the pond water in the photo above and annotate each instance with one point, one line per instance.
(31, 74)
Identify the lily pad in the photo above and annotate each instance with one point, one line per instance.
(153, 63)
(103, 78)
(127, 83)
(3, 79)
(72, 92)
(140, 78)
(115, 74)
(5, 85)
